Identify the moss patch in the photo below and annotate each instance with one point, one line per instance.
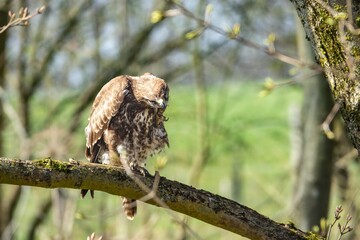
(56, 165)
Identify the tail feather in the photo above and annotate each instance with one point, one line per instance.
(92, 155)
(84, 192)
(130, 208)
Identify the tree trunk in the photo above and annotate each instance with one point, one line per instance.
(330, 29)
(312, 188)
(316, 169)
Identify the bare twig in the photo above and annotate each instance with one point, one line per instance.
(269, 50)
(21, 19)
(342, 229)
(325, 126)
(346, 228)
(337, 216)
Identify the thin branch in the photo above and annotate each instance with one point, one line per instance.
(246, 42)
(199, 204)
(68, 27)
(21, 19)
(325, 126)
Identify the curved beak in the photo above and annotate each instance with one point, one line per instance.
(161, 103)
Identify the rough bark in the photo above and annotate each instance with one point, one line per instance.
(199, 204)
(337, 49)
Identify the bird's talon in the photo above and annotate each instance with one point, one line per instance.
(137, 169)
(144, 172)
(73, 161)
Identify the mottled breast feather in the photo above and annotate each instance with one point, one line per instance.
(126, 125)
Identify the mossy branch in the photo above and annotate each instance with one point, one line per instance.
(199, 204)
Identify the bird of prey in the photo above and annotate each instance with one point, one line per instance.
(126, 125)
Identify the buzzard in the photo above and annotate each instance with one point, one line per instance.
(126, 125)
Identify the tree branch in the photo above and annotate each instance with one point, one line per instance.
(234, 35)
(20, 19)
(199, 204)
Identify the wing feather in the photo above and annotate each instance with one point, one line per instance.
(105, 106)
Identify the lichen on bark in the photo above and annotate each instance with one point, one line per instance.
(336, 49)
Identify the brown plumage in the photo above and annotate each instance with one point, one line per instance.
(126, 125)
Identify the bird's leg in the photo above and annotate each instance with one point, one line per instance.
(134, 167)
(130, 164)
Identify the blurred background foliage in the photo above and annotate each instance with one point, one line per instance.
(237, 124)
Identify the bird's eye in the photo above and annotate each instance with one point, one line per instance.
(165, 94)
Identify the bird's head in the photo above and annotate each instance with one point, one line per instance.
(152, 91)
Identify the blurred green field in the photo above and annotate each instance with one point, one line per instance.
(248, 162)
